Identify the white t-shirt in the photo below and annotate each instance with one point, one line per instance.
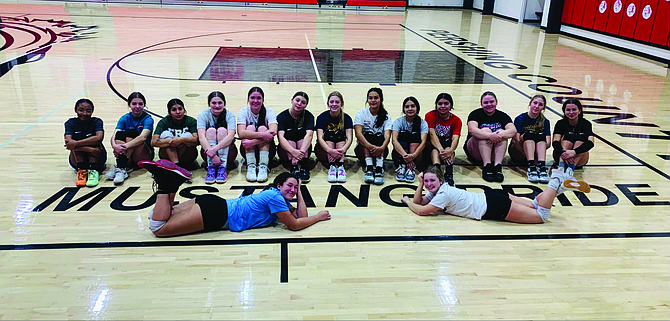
(246, 117)
(459, 202)
(365, 119)
(401, 125)
(207, 120)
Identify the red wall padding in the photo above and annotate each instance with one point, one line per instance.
(645, 20)
(590, 10)
(577, 12)
(616, 14)
(661, 29)
(602, 13)
(567, 11)
(629, 21)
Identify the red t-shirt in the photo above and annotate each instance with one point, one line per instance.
(444, 129)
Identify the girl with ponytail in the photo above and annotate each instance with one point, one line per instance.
(444, 129)
(216, 133)
(532, 139)
(372, 126)
(334, 134)
(295, 129)
(257, 127)
(408, 134)
(176, 135)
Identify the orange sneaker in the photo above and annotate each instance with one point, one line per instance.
(81, 177)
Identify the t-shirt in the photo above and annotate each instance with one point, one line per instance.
(75, 128)
(401, 125)
(287, 123)
(445, 129)
(365, 119)
(246, 117)
(255, 210)
(459, 202)
(329, 124)
(582, 130)
(525, 124)
(207, 120)
(188, 125)
(128, 121)
(494, 122)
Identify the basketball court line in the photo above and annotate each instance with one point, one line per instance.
(661, 173)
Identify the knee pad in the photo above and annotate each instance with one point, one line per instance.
(543, 212)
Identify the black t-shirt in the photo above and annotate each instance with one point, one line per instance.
(494, 122)
(331, 126)
(289, 125)
(79, 130)
(579, 132)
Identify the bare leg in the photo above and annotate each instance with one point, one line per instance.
(182, 219)
(484, 150)
(529, 150)
(541, 151)
(499, 151)
(581, 159)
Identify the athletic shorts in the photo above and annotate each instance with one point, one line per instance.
(534, 137)
(132, 133)
(405, 137)
(498, 204)
(376, 140)
(335, 137)
(214, 211)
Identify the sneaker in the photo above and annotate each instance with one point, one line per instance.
(369, 175)
(449, 178)
(81, 177)
(573, 185)
(167, 176)
(172, 167)
(111, 173)
(487, 172)
(251, 173)
(497, 173)
(570, 171)
(211, 175)
(379, 176)
(262, 173)
(120, 176)
(400, 173)
(410, 176)
(533, 176)
(332, 174)
(543, 176)
(92, 178)
(304, 175)
(221, 175)
(341, 175)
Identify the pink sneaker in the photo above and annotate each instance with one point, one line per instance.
(165, 165)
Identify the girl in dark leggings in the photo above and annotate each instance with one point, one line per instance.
(212, 213)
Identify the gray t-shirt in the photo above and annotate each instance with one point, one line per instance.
(207, 120)
(401, 125)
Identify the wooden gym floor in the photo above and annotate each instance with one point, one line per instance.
(87, 253)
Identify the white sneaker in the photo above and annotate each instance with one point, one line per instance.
(400, 173)
(251, 173)
(120, 176)
(332, 174)
(341, 175)
(262, 173)
(570, 171)
(410, 176)
(111, 173)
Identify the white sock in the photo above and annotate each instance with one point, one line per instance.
(543, 212)
(379, 162)
(264, 156)
(251, 158)
(212, 143)
(223, 155)
(368, 161)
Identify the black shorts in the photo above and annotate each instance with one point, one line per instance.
(335, 137)
(373, 139)
(214, 211)
(498, 204)
(295, 135)
(534, 137)
(405, 137)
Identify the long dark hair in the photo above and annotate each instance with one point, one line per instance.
(261, 114)
(301, 117)
(281, 179)
(134, 95)
(340, 118)
(446, 96)
(574, 102)
(539, 122)
(221, 120)
(84, 101)
(174, 101)
(382, 113)
(416, 123)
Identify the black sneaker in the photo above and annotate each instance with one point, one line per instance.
(449, 178)
(487, 173)
(304, 175)
(167, 175)
(497, 173)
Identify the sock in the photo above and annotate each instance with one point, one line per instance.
(561, 165)
(368, 161)
(209, 159)
(543, 212)
(531, 166)
(264, 157)
(223, 155)
(379, 162)
(541, 164)
(449, 169)
(339, 164)
(251, 158)
(122, 161)
(369, 168)
(303, 163)
(379, 169)
(332, 164)
(571, 166)
(535, 204)
(81, 166)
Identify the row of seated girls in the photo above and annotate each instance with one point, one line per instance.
(416, 142)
